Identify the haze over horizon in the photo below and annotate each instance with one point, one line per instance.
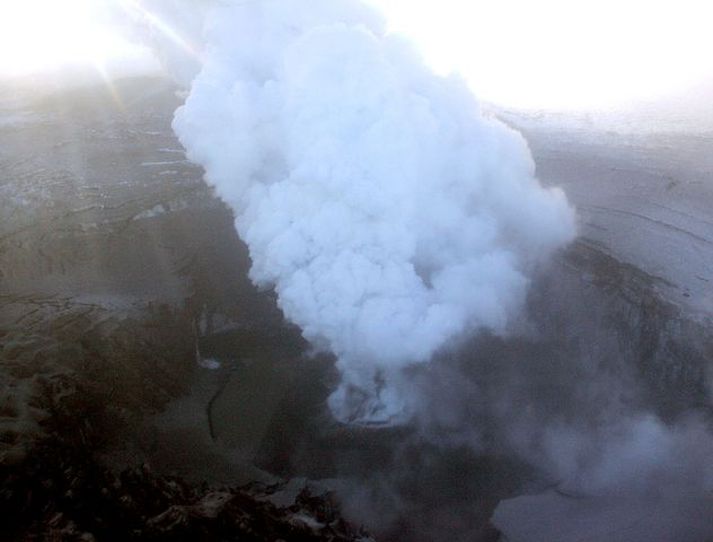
(279, 242)
(549, 55)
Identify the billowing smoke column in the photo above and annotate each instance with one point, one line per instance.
(389, 214)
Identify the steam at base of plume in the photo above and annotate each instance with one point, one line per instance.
(388, 213)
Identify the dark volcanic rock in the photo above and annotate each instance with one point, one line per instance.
(61, 493)
(119, 270)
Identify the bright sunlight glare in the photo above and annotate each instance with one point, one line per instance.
(561, 54)
(47, 35)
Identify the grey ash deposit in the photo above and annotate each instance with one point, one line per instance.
(122, 280)
(114, 257)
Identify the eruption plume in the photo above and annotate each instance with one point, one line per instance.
(389, 214)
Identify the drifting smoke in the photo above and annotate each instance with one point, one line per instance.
(392, 217)
(388, 213)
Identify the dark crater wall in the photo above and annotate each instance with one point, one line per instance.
(122, 280)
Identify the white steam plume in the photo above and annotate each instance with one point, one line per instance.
(387, 212)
